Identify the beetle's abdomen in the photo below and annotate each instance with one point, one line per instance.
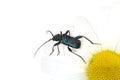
(70, 41)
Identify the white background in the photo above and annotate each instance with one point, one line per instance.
(23, 26)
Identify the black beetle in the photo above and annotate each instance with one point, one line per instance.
(68, 40)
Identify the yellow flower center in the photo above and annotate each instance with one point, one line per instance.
(104, 65)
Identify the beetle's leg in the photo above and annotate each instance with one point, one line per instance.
(76, 54)
(50, 32)
(58, 50)
(78, 37)
(53, 48)
(68, 31)
(60, 32)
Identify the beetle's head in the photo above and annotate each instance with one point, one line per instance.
(57, 37)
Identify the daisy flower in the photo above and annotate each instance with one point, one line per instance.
(104, 64)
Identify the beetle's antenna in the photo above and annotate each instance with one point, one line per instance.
(50, 32)
(41, 46)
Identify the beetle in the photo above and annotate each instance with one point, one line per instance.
(67, 40)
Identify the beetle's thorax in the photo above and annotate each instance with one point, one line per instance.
(57, 37)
